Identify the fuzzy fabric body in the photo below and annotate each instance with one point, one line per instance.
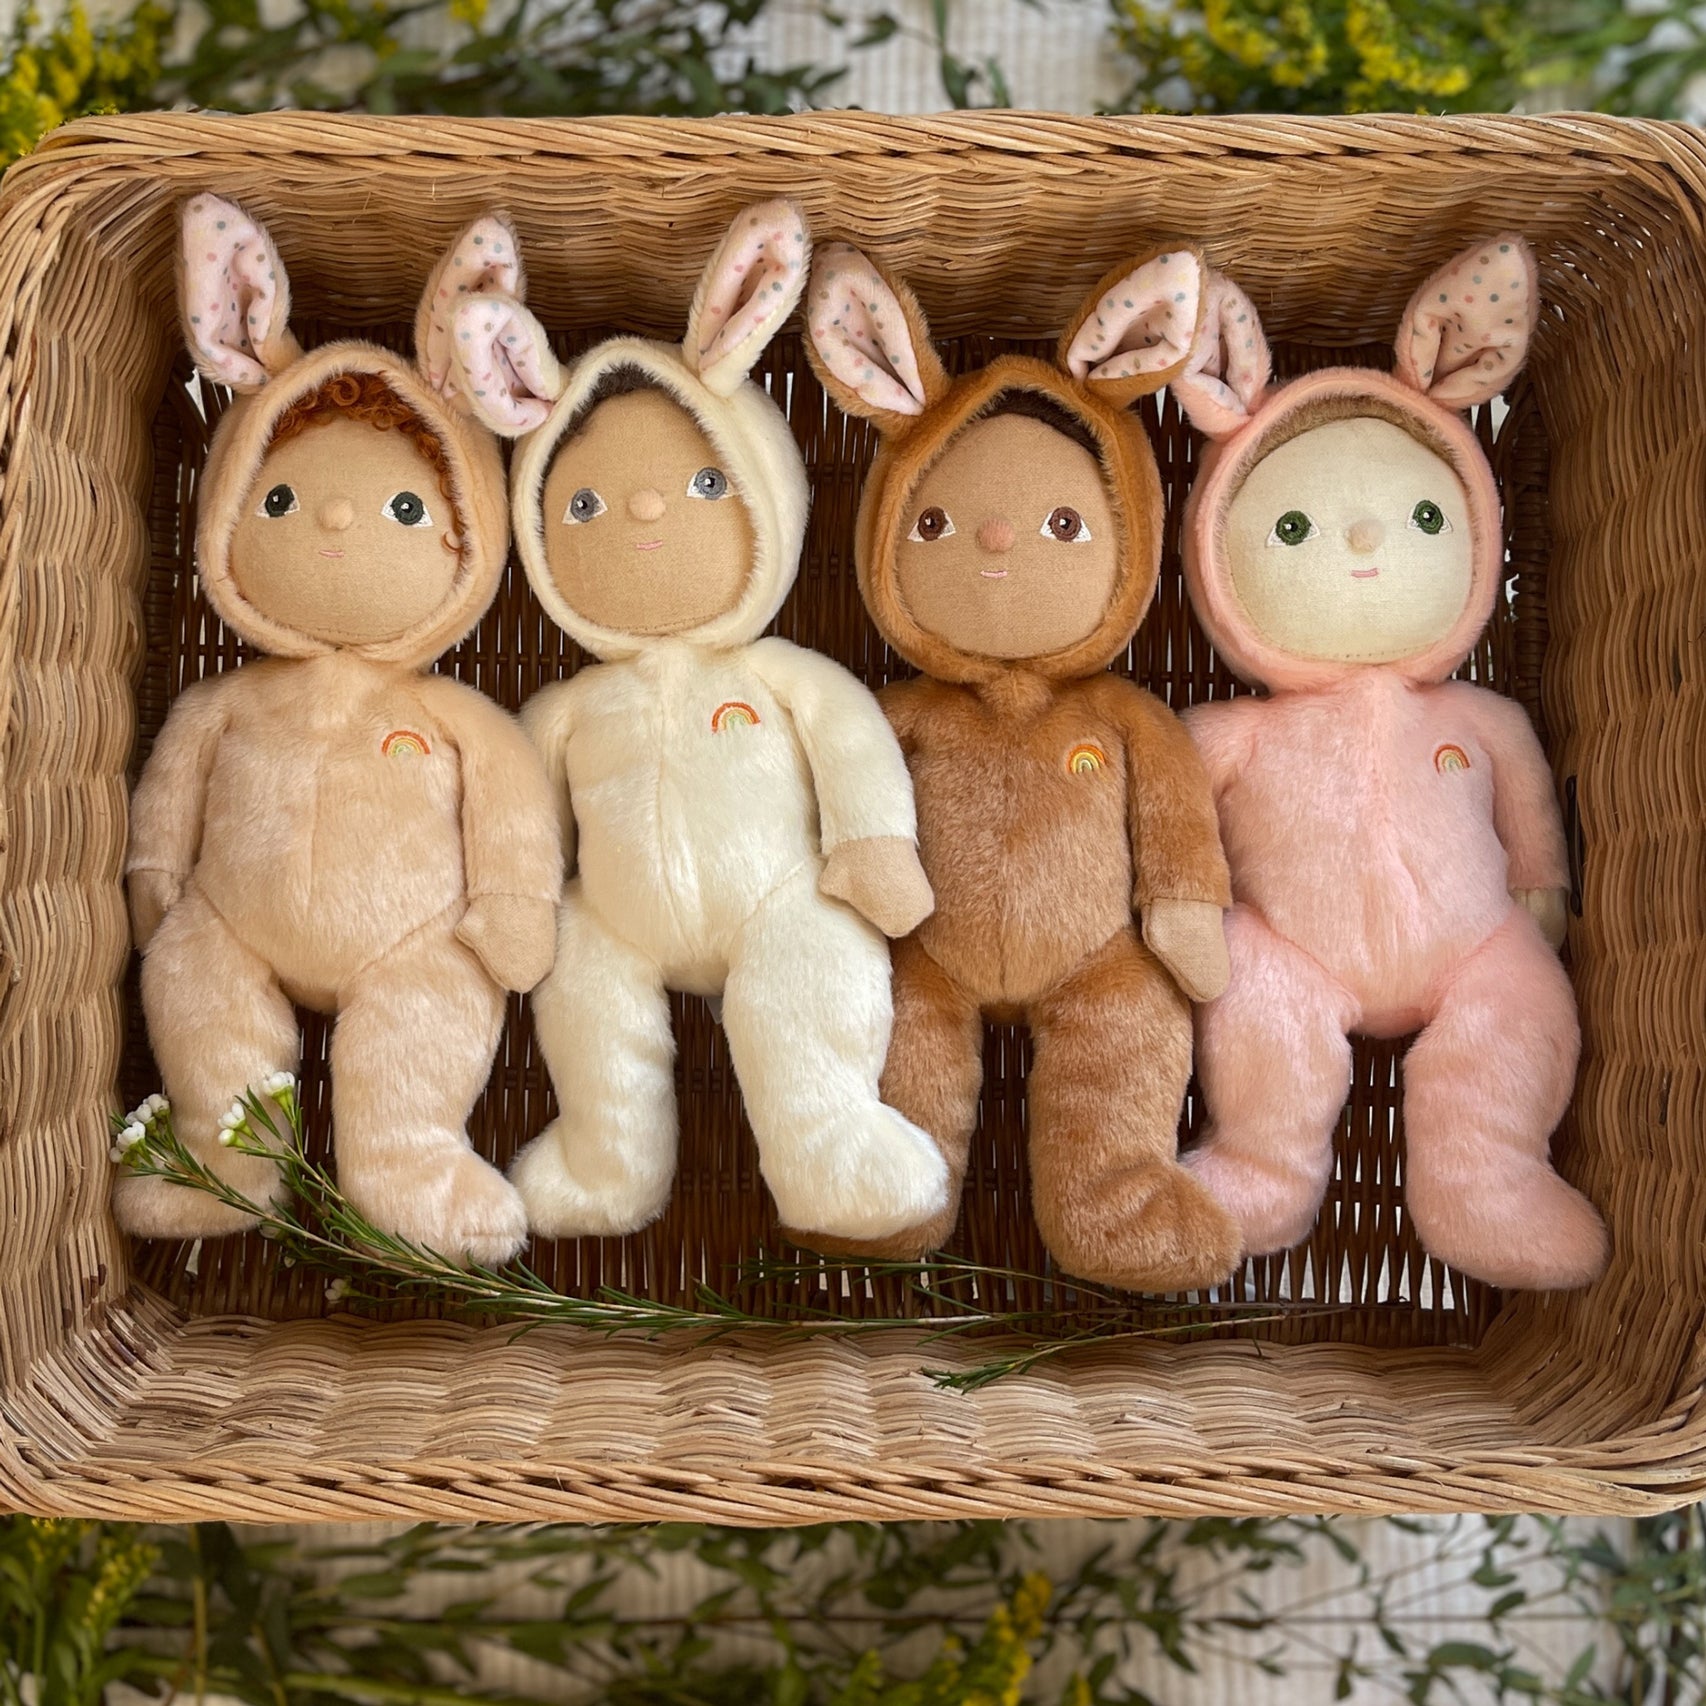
(1387, 830)
(334, 826)
(1058, 805)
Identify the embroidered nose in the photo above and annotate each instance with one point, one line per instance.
(336, 514)
(646, 504)
(996, 534)
(1365, 536)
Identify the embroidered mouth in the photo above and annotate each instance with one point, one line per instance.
(1364, 574)
(993, 574)
(649, 545)
(331, 553)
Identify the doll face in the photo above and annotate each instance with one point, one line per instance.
(644, 531)
(1012, 550)
(345, 535)
(1350, 543)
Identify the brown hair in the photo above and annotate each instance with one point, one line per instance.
(1036, 406)
(366, 397)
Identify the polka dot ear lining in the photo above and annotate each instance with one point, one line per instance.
(860, 332)
(748, 289)
(235, 295)
(1466, 332)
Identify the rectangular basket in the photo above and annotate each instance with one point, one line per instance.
(165, 1382)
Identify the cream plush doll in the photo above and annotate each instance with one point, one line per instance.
(1396, 848)
(333, 825)
(739, 812)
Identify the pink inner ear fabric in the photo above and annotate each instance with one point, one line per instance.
(232, 291)
(752, 282)
(506, 362)
(1466, 331)
(860, 330)
(483, 261)
(1144, 323)
(1230, 366)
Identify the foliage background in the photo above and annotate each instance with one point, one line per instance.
(915, 1614)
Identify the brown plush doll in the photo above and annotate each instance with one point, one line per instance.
(1008, 545)
(333, 825)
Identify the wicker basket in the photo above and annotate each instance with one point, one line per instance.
(159, 1382)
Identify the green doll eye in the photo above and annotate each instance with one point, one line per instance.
(281, 500)
(1429, 517)
(1293, 528)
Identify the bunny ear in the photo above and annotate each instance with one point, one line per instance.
(234, 296)
(869, 341)
(1230, 364)
(503, 368)
(1136, 331)
(1465, 334)
(747, 290)
(484, 260)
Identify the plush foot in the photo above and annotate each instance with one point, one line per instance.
(149, 1207)
(873, 1176)
(1274, 1206)
(448, 1200)
(562, 1205)
(1528, 1233)
(1146, 1228)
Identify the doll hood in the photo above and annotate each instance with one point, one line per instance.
(1460, 343)
(871, 349)
(746, 293)
(235, 301)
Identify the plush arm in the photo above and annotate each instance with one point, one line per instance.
(547, 719)
(1181, 886)
(867, 823)
(511, 853)
(1526, 817)
(170, 803)
(1222, 731)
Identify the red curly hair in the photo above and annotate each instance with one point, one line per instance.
(366, 397)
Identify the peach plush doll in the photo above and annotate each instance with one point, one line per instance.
(1397, 854)
(332, 825)
(1008, 544)
(739, 815)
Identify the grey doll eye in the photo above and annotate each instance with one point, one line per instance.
(1293, 528)
(281, 500)
(1428, 517)
(409, 509)
(585, 505)
(708, 483)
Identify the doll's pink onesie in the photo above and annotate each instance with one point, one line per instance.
(1379, 820)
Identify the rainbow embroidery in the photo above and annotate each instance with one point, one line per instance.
(405, 743)
(733, 714)
(1086, 758)
(1450, 758)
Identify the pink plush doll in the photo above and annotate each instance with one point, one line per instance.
(1397, 855)
(332, 825)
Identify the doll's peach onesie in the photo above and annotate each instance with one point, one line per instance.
(704, 778)
(1379, 821)
(332, 825)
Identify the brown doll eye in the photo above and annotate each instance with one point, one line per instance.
(932, 525)
(1066, 525)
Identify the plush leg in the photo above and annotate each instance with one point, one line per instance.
(934, 1076)
(219, 1024)
(411, 1051)
(605, 1165)
(1111, 1058)
(1485, 1084)
(807, 1009)
(1275, 1066)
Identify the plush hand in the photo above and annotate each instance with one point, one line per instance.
(1189, 938)
(152, 895)
(514, 936)
(880, 877)
(1549, 908)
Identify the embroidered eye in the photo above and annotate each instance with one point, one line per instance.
(1293, 528)
(281, 500)
(708, 483)
(1429, 517)
(932, 525)
(409, 509)
(1066, 525)
(584, 506)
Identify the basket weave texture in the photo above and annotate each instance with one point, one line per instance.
(153, 1381)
